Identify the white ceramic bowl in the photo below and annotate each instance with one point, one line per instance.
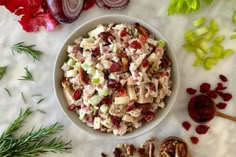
(62, 57)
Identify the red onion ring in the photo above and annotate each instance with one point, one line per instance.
(112, 4)
(65, 11)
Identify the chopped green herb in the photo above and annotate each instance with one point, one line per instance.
(28, 76)
(3, 71)
(36, 95)
(28, 50)
(40, 101)
(23, 97)
(8, 92)
(199, 21)
(41, 111)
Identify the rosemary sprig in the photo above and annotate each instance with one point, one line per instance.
(8, 91)
(28, 76)
(28, 50)
(3, 71)
(32, 143)
(23, 97)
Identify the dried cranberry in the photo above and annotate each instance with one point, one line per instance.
(186, 125)
(115, 67)
(225, 96)
(212, 94)
(223, 78)
(202, 129)
(135, 44)
(145, 63)
(107, 100)
(130, 107)
(113, 84)
(96, 52)
(122, 92)
(77, 94)
(220, 86)
(221, 105)
(191, 91)
(149, 116)
(123, 33)
(72, 107)
(116, 120)
(205, 87)
(194, 140)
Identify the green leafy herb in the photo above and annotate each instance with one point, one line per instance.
(8, 92)
(3, 71)
(36, 95)
(23, 97)
(28, 50)
(40, 101)
(186, 6)
(28, 76)
(32, 143)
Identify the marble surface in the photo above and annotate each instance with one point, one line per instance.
(221, 137)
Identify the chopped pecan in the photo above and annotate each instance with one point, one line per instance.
(142, 30)
(83, 77)
(165, 62)
(180, 150)
(103, 155)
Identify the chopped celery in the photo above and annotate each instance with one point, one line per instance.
(104, 108)
(201, 31)
(77, 65)
(91, 71)
(199, 53)
(161, 43)
(219, 39)
(94, 100)
(103, 92)
(85, 66)
(71, 62)
(227, 53)
(209, 35)
(198, 62)
(198, 21)
(95, 81)
(213, 26)
(189, 47)
(115, 49)
(234, 17)
(209, 62)
(189, 36)
(203, 44)
(233, 36)
(218, 50)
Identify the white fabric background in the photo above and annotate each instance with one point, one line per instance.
(220, 139)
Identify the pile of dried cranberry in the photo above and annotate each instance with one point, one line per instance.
(201, 107)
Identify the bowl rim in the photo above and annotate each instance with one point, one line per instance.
(142, 130)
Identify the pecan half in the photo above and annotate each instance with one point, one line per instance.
(83, 77)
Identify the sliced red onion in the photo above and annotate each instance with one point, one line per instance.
(65, 11)
(112, 4)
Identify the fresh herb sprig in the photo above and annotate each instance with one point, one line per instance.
(27, 49)
(28, 76)
(32, 143)
(3, 71)
(186, 6)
